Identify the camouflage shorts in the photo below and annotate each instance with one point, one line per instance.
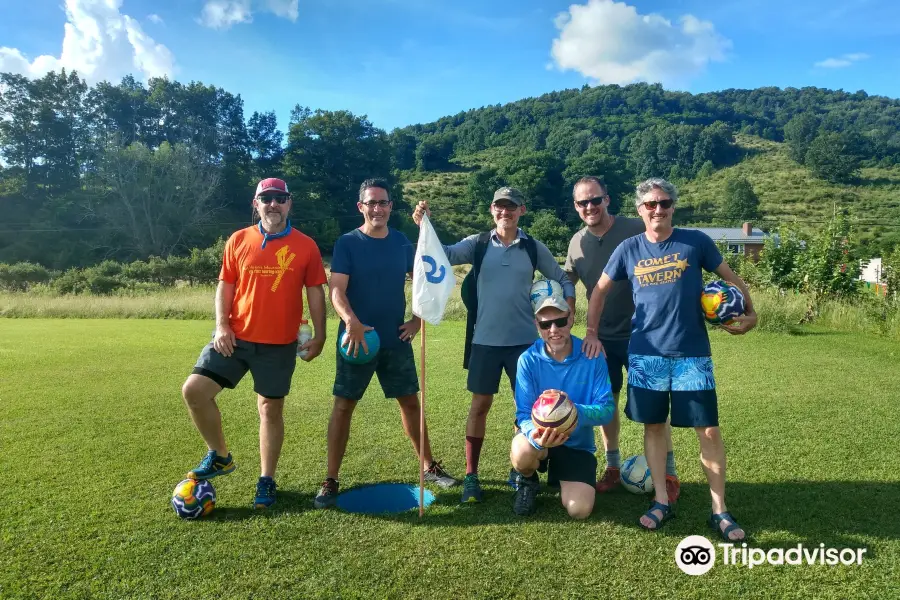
(396, 369)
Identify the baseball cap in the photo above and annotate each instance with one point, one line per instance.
(272, 184)
(554, 300)
(511, 194)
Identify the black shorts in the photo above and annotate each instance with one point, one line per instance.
(616, 360)
(487, 363)
(570, 464)
(271, 365)
(396, 369)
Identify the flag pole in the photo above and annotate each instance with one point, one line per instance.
(422, 427)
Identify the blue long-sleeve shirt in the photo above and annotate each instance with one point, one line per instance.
(586, 381)
(505, 317)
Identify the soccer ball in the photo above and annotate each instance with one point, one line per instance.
(193, 498)
(553, 409)
(721, 302)
(542, 288)
(362, 357)
(636, 475)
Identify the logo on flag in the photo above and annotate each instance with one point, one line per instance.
(431, 285)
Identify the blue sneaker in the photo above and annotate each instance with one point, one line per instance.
(265, 493)
(472, 488)
(213, 465)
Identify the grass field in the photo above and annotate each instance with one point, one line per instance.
(94, 436)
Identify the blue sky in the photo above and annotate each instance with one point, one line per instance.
(409, 61)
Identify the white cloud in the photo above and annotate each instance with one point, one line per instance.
(844, 61)
(100, 43)
(222, 14)
(610, 42)
(155, 19)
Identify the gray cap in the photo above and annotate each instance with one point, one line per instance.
(511, 194)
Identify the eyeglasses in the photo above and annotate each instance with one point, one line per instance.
(595, 201)
(507, 206)
(652, 204)
(374, 203)
(280, 199)
(560, 323)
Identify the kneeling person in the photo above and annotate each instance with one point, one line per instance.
(556, 362)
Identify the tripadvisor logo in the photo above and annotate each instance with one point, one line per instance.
(695, 555)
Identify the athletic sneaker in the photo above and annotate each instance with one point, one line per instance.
(611, 478)
(213, 465)
(472, 488)
(436, 474)
(327, 495)
(525, 498)
(265, 493)
(673, 488)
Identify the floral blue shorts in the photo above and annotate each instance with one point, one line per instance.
(665, 374)
(685, 384)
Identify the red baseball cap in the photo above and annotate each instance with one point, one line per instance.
(271, 184)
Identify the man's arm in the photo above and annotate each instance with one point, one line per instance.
(549, 268)
(526, 394)
(591, 347)
(356, 329)
(600, 409)
(410, 328)
(224, 341)
(747, 321)
(315, 296)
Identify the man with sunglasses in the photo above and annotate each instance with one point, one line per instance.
(669, 363)
(259, 307)
(368, 277)
(556, 362)
(589, 252)
(504, 324)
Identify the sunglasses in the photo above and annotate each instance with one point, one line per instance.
(560, 323)
(652, 204)
(374, 203)
(280, 199)
(507, 206)
(595, 201)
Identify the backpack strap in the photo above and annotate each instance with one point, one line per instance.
(531, 247)
(469, 293)
(481, 246)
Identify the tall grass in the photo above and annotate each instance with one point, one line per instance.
(778, 311)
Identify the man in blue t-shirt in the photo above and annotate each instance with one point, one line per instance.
(669, 360)
(555, 362)
(368, 275)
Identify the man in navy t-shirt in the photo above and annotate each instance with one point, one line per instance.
(368, 275)
(669, 359)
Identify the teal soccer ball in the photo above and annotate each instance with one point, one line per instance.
(372, 341)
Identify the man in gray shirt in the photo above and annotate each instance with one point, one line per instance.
(504, 326)
(589, 251)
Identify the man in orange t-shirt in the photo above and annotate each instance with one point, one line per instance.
(259, 308)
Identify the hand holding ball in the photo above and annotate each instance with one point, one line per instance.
(554, 410)
(372, 342)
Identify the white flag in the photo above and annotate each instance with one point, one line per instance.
(433, 278)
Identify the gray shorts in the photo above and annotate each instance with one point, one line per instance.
(271, 365)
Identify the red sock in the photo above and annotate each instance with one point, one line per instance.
(473, 453)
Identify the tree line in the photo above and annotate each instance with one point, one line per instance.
(135, 170)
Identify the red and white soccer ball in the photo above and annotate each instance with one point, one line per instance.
(554, 410)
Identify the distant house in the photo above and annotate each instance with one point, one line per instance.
(871, 270)
(747, 239)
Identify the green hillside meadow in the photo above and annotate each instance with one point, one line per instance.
(94, 436)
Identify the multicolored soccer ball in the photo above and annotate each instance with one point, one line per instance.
(721, 302)
(635, 475)
(543, 288)
(193, 498)
(372, 341)
(553, 409)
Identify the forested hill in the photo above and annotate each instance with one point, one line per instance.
(132, 170)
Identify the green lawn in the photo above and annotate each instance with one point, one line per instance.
(94, 436)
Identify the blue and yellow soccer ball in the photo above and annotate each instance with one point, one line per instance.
(635, 475)
(721, 302)
(193, 498)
